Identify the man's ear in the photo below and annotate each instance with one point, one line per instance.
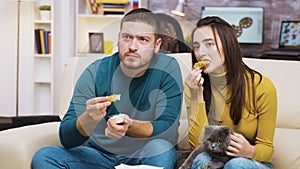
(157, 44)
(119, 35)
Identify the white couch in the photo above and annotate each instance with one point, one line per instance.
(18, 145)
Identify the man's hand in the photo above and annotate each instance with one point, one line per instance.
(114, 130)
(95, 111)
(96, 107)
(131, 127)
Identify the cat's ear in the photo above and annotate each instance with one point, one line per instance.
(208, 129)
(227, 130)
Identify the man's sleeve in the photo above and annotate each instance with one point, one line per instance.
(84, 90)
(169, 104)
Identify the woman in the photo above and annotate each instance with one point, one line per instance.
(227, 92)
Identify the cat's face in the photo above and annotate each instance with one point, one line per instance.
(216, 138)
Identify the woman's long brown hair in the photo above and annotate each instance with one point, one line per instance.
(236, 68)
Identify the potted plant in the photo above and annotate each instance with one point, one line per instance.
(45, 11)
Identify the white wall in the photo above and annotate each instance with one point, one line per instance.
(16, 70)
(64, 41)
(8, 57)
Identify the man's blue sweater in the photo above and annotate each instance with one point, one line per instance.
(156, 97)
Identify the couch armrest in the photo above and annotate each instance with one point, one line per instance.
(18, 145)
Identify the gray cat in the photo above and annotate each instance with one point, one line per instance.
(215, 141)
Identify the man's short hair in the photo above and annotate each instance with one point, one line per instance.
(144, 16)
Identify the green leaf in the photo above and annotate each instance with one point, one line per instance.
(45, 7)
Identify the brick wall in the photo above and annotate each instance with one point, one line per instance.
(274, 12)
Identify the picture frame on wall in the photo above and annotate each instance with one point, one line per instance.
(96, 42)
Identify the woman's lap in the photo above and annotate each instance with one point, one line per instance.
(237, 163)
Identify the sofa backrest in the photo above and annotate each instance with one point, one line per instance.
(285, 76)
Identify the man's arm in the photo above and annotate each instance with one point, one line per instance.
(140, 129)
(168, 103)
(131, 127)
(70, 133)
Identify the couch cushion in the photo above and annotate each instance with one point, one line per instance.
(285, 76)
(287, 148)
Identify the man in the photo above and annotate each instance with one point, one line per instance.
(150, 85)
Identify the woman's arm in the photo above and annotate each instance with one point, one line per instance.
(267, 112)
(197, 119)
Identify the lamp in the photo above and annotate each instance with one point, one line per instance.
(179, 10)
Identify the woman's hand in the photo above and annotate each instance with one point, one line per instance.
(195, 81)
(239, 146)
